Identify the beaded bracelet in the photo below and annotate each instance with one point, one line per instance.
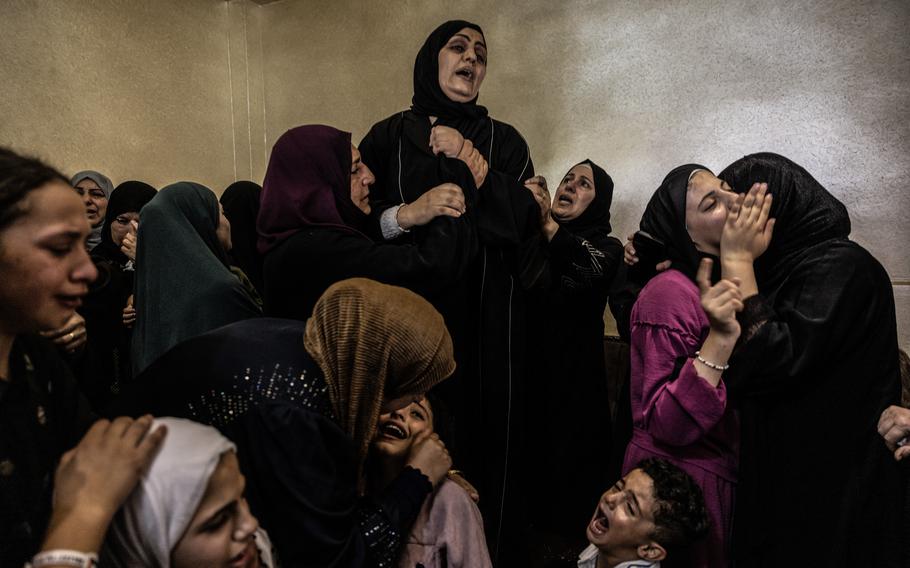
(73, 558)
(709, 364)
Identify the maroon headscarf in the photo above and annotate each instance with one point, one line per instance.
(307, 183)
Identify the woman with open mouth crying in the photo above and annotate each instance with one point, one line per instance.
(446, 137)
(568, 378)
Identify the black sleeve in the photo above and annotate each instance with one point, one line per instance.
(577, 263)
(71, 410)
(301, 484)
(508, 215)
(387, 518)
(437, 259)
(835, 311)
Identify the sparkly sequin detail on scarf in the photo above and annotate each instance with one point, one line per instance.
(255, 385)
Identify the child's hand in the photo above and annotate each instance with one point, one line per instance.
(720, 301)
(430, 456)
(747, 231)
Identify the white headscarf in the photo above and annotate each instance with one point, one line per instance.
(156, 514)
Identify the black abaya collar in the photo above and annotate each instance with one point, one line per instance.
(428, 99)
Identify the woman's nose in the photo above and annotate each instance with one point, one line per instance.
(85, 270)
(248, 523)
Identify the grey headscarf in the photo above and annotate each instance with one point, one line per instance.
(107, 187)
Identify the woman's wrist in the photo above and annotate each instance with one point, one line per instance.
(733, 267)
(403, 217)
(82, 528)
(549, 228)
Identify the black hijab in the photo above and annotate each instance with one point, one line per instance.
(665, 219)
(128, 197)
(596, 218)
(806, 213)
(241, 206)
(428, 97)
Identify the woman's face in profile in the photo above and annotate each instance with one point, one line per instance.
(575, 192)
(361, 180)
(708, 200)
(463, 65)
(398, 429)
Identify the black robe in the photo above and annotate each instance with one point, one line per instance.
(816, 365)
(485, 311)
(569, 412)
(302, 267)
(568, 403)
(255, 382)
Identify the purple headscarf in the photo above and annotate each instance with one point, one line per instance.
(307, 183)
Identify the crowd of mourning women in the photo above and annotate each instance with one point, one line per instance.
(392, 354)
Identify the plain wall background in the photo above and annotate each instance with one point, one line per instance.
(200, 89)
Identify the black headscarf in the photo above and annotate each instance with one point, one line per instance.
(428, 97)
(596, 218)
(241, 206)
(665, 219)
(128, 197)
(806, 213)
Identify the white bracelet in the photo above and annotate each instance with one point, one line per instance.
(73, 558)
(707, 363)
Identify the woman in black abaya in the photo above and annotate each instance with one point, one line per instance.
(816, 365)
(447, 137)
(109, 336)
(568, 406)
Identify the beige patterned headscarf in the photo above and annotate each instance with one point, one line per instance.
(375, 342)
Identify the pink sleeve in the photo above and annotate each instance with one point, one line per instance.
(669, 326)
(461, 527)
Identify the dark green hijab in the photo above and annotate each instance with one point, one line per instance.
(184, 286)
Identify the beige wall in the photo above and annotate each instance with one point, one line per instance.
(201, 89)
(130, 88)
